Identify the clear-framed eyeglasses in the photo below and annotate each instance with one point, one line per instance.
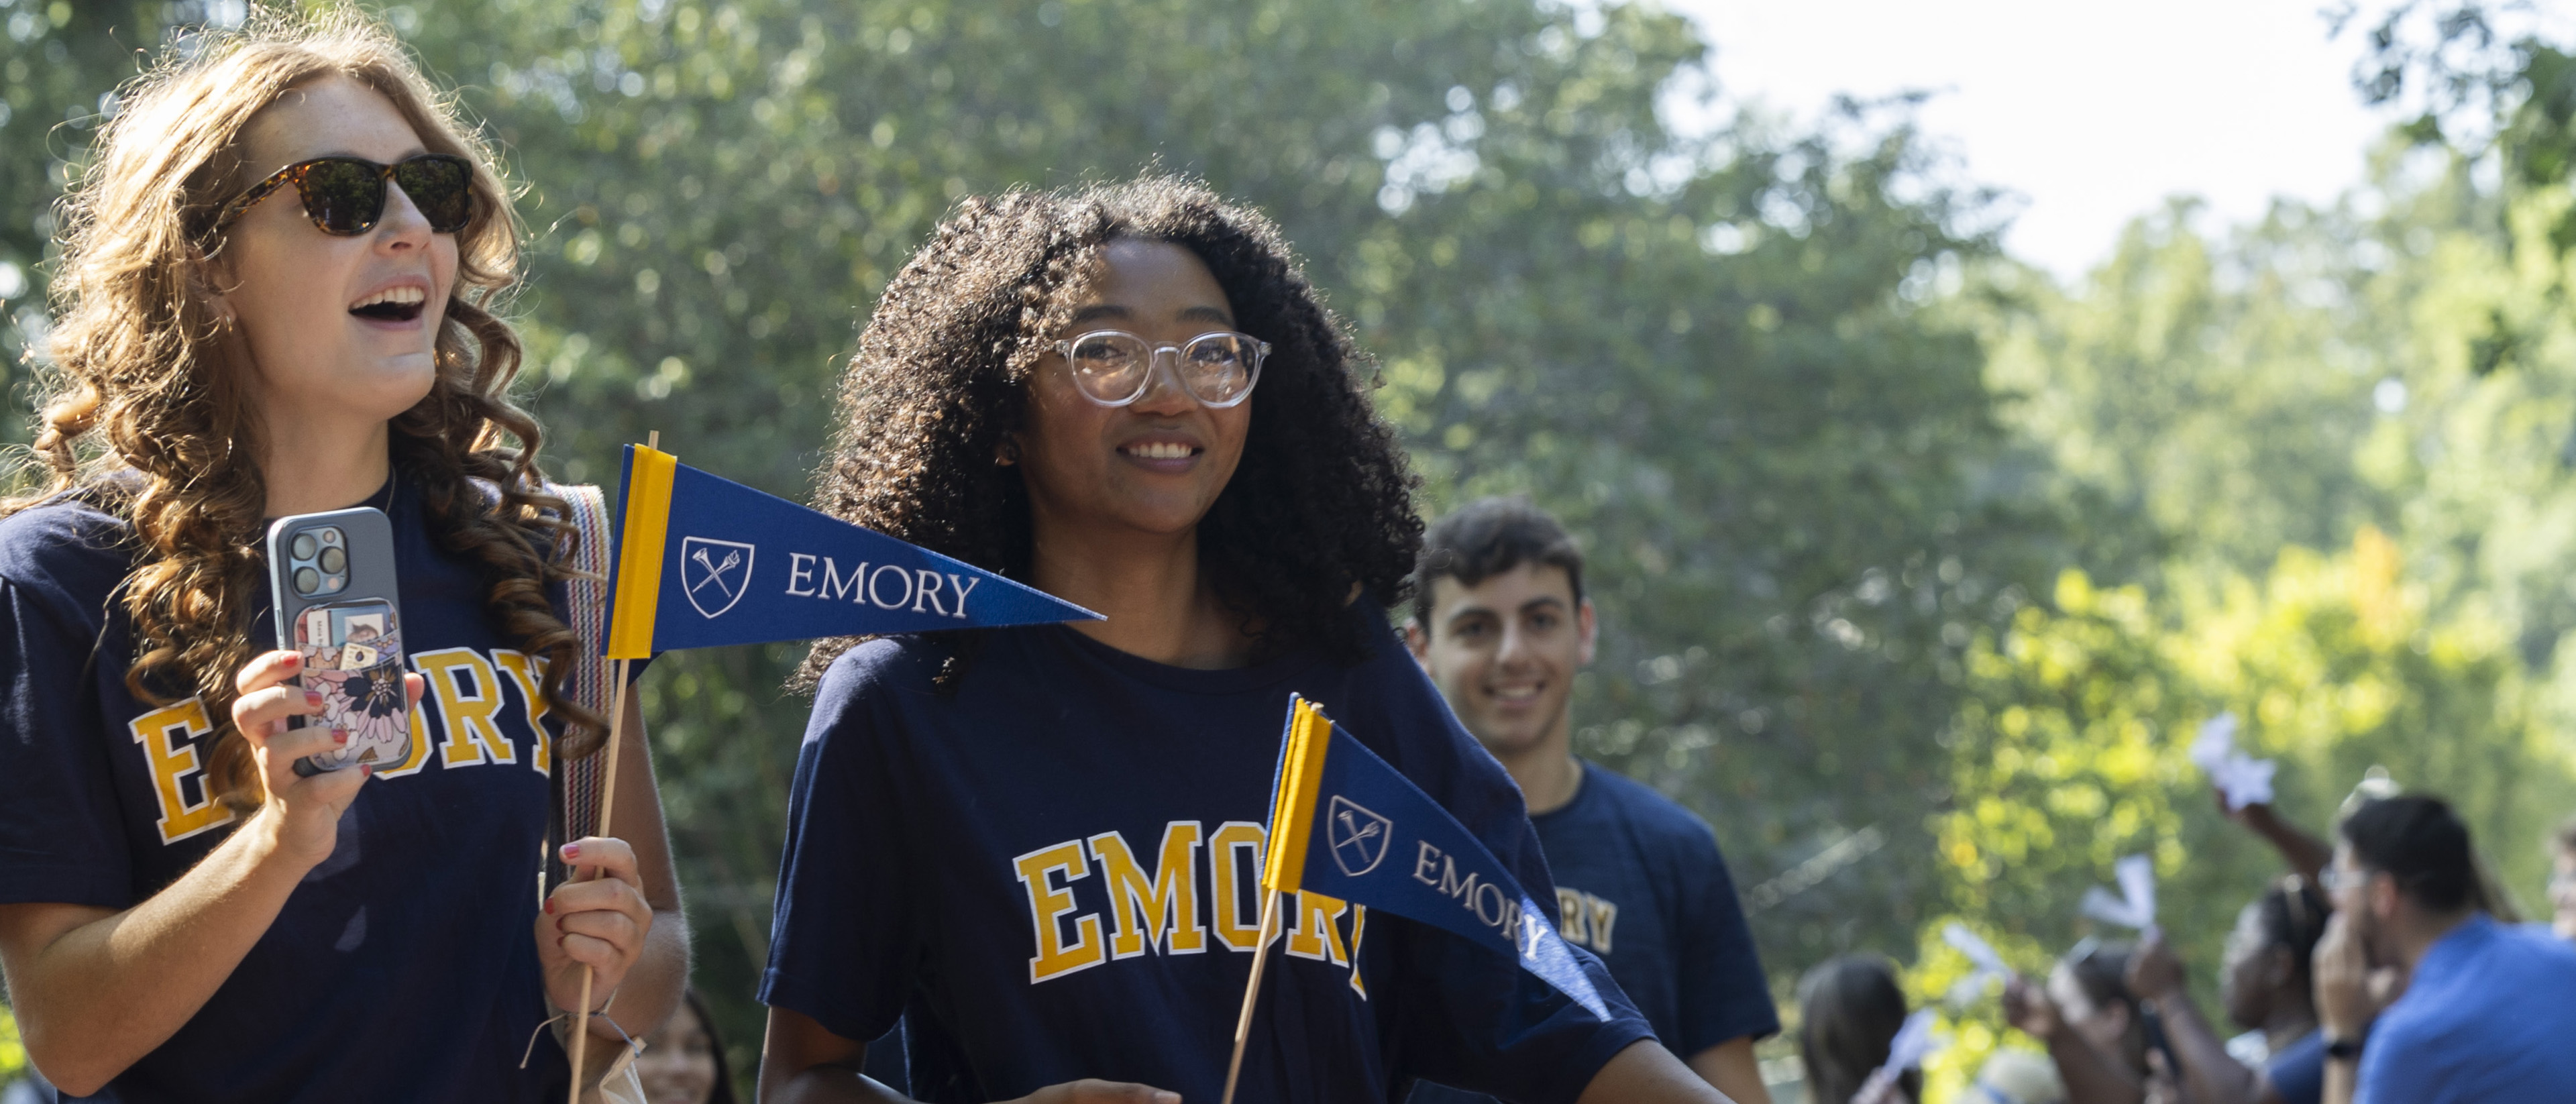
(1115, 368)
(2336, 881)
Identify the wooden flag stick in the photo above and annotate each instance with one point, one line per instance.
(1251, 991)
(607, 808)
(607, 805)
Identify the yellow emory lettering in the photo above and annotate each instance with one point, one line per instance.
(1147, 907)
(1048, 903)
(169, 737)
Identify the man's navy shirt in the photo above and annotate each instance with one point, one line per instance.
(2489, 1015)
(1640, 883)
(1049, 874)
(404, 968)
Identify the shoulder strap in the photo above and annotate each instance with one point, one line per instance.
(586, 599)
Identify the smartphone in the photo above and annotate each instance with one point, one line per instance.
(331, 585)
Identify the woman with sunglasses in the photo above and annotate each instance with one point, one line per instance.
(275, 298)
(1037, 846)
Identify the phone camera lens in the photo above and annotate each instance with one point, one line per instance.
(330, 535)
(334, 561)
(307, 580)
(335, 584)
(303, 546)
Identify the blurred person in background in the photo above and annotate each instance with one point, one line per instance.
(2489, 1009)
(2095, 1030)
(2017, 1077)
(1849, 1009)
(2264, 984)
(1501, 624)
(684, 1063)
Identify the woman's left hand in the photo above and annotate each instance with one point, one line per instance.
(600, 923)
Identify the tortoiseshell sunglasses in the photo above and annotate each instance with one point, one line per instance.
(346, 195)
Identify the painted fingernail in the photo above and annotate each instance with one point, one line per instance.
(550, 906)
(367, 769)
(339, 735)
(313, 698)
(571, 851)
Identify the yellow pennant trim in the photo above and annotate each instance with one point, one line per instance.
(639, 554)
(1292, 809)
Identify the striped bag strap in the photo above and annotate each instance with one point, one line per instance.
(587, 597)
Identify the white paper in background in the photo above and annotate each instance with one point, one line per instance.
(1914, 1043)
(2244, 781)
(2241, 779)
(2135, 907)
(2216, 741)
(1988, 963)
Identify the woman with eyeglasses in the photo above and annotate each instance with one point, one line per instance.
(275, 297)
(1038, 847)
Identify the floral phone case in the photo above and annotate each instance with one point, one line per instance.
(353, 654)
(332, 585)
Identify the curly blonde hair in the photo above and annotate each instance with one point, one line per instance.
(145, 410)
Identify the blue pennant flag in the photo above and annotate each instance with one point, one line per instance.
(703, 562)
(1344, 824)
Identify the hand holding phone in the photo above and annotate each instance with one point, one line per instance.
(332, 587)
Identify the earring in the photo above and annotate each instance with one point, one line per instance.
(1006, 454)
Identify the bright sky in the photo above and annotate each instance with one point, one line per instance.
(2092, 111)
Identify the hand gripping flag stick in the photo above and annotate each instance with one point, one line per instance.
(607, 808)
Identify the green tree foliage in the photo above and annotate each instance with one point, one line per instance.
(59, 64)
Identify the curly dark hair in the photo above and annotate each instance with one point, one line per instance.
(1323, 499)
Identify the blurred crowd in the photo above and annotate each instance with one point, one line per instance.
(2385, 965)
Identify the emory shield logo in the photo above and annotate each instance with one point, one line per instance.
(715, 573)
(1359, 837)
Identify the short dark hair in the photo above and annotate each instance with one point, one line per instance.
(1486, 538)
(2417, 840)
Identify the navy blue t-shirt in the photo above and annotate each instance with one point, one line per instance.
(1640, 883)
(1051, 874)
(404, 968)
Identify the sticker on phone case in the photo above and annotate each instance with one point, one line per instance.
(353, 654)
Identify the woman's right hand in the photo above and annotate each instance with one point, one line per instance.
(1088, 1091)
(302, 814)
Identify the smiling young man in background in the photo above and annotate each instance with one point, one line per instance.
(1500, 623)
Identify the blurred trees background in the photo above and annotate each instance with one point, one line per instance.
(1917, 568)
